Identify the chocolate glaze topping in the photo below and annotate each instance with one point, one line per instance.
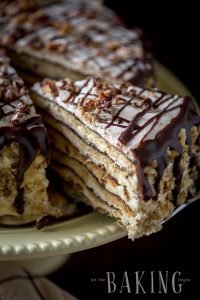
(142, 123)
(19, 124)
(156, 149)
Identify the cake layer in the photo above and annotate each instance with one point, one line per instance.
(24, 153)
(133, 149)
(78, 38)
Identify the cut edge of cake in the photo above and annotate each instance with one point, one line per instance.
(104, 149)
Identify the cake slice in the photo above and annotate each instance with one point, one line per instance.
(130, 152)
(24, 154)
(75, 39)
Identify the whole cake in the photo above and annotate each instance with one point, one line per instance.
(75, 39)
(130, 152)
(24, 154)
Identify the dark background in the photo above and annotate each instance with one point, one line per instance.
(174, 32)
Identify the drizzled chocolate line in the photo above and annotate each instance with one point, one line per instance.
(86, 94)
(122, 108)
(125, 136)
(151, 120)
(127, 69)
(74, 94)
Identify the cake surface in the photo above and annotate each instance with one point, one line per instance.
(130, 152)
(24, 153)
(76, 39)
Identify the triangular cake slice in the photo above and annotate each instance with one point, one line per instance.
(24, 153)
(75, 39)
(130, 152)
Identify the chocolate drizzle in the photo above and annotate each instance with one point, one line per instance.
(19, 124)
(125, 136)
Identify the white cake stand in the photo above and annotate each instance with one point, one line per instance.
(44, 251)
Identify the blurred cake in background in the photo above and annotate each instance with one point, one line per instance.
(75, 39)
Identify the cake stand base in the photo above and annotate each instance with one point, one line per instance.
(45, 265)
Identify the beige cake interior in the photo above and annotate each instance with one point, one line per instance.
(35, 183)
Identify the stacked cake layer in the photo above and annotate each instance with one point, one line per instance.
(24, 153)
(129, 152)
(74, 39)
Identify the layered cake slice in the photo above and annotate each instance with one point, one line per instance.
(24, 153)
(75, 39)
(129, 152)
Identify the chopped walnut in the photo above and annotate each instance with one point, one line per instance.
(90, 105)
(62, 27)
(20, 115)
(61, 48)
(11, 90)
(112, 45)
(49, 87)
